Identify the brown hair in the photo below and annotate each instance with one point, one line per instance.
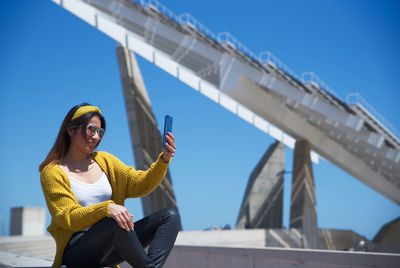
(62, 143)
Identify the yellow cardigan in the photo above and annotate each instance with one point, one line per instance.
(67, 216)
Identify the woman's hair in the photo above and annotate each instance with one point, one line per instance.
(63, 141)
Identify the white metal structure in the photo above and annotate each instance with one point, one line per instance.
(258, 88)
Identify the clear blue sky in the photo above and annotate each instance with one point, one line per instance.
(50, 60)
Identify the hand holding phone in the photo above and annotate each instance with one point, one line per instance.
(168, 140)
(167, 128)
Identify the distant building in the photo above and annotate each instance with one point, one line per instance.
(27, 221)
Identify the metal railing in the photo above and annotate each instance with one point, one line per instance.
(156, 5)
(223, 38)
(226, 38)
(189, 20)
(310, 77)
(268, 57)
(354, 99)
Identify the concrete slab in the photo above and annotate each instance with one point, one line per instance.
(8, 259)
(235, 257)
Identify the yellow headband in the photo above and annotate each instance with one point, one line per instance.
(84, 110)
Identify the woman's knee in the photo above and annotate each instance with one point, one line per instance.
(108, 223)
(171, 214)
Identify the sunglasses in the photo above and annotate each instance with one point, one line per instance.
(91, 130)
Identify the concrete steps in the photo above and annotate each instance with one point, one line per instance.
(17, 251)
(239, 257)
(9, 259)
(42, 247)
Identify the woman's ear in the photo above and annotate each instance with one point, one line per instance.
(71, 131)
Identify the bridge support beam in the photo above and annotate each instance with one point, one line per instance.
(262, 202)
(303, 209)
(146, 139)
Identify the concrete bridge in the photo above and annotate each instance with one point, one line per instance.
(257, 87)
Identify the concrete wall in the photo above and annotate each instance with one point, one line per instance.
(233, 257)
(277, 237)
(241, 237)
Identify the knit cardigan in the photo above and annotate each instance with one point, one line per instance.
(67, 216)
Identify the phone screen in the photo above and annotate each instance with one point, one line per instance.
(167, 128)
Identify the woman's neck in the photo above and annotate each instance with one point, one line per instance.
(77, 163)
(75, 156)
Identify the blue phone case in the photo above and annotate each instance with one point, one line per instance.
(167, 128)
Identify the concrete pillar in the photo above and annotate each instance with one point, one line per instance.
(27, 221)
(303, 214)
(262, 203)
(145, 136)
(388, 237)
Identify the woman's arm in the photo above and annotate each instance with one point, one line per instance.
(63, 206)
(146, 181)
(137, 183)
(140, 183)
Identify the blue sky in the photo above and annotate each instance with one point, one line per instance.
(51, 61)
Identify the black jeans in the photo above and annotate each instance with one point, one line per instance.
(107, 244)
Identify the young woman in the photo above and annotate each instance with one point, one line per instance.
(85, 192)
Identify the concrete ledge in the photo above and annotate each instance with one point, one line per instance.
(223, 238)
(42, 247)
(235, 257)
(8, 259)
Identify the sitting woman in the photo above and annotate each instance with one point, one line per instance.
(85, 192)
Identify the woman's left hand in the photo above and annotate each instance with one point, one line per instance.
(169, 150)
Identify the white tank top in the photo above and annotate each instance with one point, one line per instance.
(91, 193)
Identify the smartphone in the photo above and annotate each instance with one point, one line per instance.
(167, 128)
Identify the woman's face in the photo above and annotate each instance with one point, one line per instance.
(88, 141)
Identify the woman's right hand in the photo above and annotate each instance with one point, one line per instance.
(122, 216)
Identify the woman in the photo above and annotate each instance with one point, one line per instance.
(85, 193)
